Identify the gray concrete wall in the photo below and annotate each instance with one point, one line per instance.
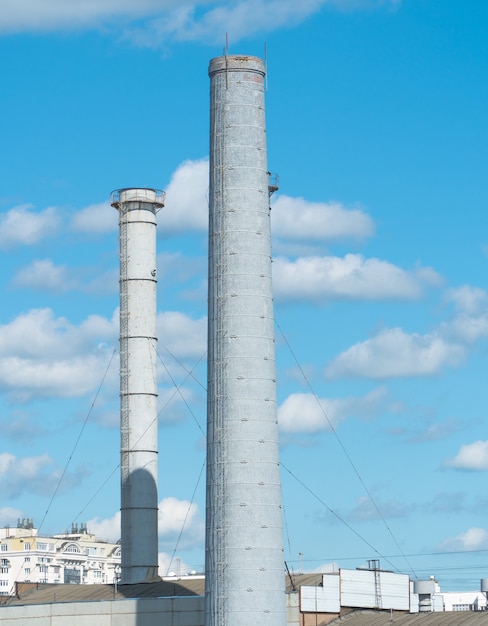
(142, 612)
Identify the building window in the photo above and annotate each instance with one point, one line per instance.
(43, 569)
(73, 548)
(3, 570)
(461, 607)
(27, 559)
(3, 547)
(72, 576)
(27, 545)
(27, 570)
(41, 546)
(4, 562)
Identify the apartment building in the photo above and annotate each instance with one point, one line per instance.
(75, 557)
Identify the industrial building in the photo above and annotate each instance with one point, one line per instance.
(244, 579)
(357, 597)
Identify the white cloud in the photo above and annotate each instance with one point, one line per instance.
(467, 328)
(96, 219)
(351, 277)
(393, 353)
(174, 515)
(24, 226)
(178, 20)
(21, 427)
(105, 529)
(472, 539)
(39, 334)
(467, 299)
(185, 210)
(178, 268)
(296, 218)
(436, 432)
(181, 335)
(325, 568)
(33, 15)
(44, 355)
(35, 474)
(47, 356)
(44, 275)
(365, 510)
(473, 456)
(100, 282)
(186, 205)
(9, 516)
(304, 413)
(174, 402)
(239, 19)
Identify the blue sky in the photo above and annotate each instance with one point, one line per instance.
(377, 128)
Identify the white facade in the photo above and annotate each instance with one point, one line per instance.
(375, 589)
(76, 557)
(357, 588)
(464, 601)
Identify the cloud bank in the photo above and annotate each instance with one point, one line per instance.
(23, 226)
(307, 414)
(473, 457)
(353, 277)
(297, 218)
(156, 22)
(392, 353)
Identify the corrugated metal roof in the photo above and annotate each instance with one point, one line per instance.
(43, 593)
(300, 580)
(48, 593)
(384, 618)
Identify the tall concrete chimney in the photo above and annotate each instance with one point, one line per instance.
(244, 542)
(138, 386)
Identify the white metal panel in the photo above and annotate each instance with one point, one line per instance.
(394, 591)
(332, 589)
(437, 603)
(357, 588)
(324, 599)
(375, 589)
(414, 600)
